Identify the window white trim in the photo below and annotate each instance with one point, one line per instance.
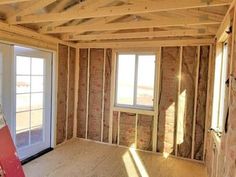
(135, 105)
(220, 89)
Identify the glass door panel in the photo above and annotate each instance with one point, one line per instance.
(33, 117)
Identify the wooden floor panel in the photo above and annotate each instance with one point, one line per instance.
(79, 158)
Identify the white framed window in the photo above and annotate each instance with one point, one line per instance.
(135, 80)
(220, 97)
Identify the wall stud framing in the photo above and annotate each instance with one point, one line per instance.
(156, 98)
(136, 131)
(178, 98)
(77, 70)
(112, 93)
(118, 134)
(232, 55)
(195, 103)
(103, 93)
(87, 106)
(207, 102)
(67, 98)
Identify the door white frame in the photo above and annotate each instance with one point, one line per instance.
(8, 91)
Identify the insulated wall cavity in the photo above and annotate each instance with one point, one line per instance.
(82, 93)
(170, 62)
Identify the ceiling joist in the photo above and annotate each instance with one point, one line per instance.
(145, 43)
(138, 8)
(161, 22)
(137, 35)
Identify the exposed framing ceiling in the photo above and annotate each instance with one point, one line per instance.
(11, 1)
(105, 21)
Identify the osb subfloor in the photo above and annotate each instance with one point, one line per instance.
(79, 158)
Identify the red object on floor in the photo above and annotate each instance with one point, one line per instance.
(9, 161)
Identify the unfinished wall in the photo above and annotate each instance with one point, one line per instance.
(168, 99)
(186, 101)
(201, 103)
(65, 93)
(62, 92)
(82, 93)
(127, 129)
(115, 127)
(182, 108)
(144, 132)
(107, 96)
(71, 92)
(94, 94)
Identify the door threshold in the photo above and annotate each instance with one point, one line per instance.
(29, 159)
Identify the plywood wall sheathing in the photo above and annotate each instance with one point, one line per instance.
(71, 92)
(127, 129)
(168, 99)
(186, 101)
(82, 93)
(107, 91)
(62, 92)
(144, 132)
(201, 102)
(95, 94)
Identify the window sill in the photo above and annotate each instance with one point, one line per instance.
(134, 110)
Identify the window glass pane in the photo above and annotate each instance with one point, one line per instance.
(216, 92)
(22, 84)
(146, 77)
(37, 66)
(223, 98)
(22, 122)
(36, 118)
(125, 82)
(22, 129)
(36, 100)
(22, 102)
(36, 126)
(22, 65)
(37, 84)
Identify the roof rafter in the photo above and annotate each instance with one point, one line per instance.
(89, 4)
(151, 6)
(31, 8)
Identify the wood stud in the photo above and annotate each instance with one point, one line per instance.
(179, 90)
(195, 103)
(87, 107)
(103, 92)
